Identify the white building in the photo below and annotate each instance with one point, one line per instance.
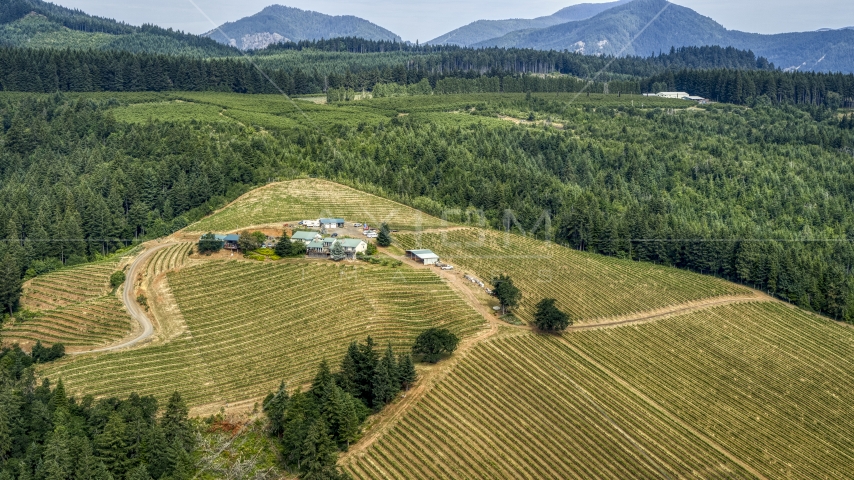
(353, 246)
(427, 257)
(677, 95)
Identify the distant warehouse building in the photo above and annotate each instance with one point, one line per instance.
(427, 257)
(676, 95)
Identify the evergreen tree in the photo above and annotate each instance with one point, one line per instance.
(274, 407)
(383, 391)
(384, 237)
(407, 371)
(284, 247)
(10, 282)
(337, 251)
(506, 292)
(110, 445)
(175, 424)
(139, 473)
(319, 452)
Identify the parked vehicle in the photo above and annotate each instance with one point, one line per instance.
(334, 235)
(357, 225)
(448, 267)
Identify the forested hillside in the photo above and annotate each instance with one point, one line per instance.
(694, 189)
(38, 24)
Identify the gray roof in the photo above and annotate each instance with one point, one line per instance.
(332, 220)
(232, 237)
(219, 237)
(423, 254)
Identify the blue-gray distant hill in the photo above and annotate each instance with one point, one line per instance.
(488, 29)
(644, 27)
(278, 23)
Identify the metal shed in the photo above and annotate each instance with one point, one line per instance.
(427, 257)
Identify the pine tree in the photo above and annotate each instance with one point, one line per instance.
(284, 247)
(139, 473)
(110, 445)
(10, 282)
(349, 374)
(318, 450)
(274, 407)
(384, 238)
(337, 252)
(382, 386)
(406, 370)
(175, 423)
(392, 367)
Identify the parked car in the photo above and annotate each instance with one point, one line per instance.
(357, 225)
(448, 267)
(334, 235)
(371, 235)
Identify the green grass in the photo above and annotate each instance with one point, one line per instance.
(586, 286)
(311, 199)
(250, 325)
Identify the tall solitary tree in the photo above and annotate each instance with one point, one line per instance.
(549, 318)
(507, 293)
(433, 342)
(384, 237)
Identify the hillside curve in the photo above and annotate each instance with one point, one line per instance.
(136, 312)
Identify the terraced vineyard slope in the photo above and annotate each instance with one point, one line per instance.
(771, 383)
(312, 199)
(587, 286)
(73, 306)
(168, 259)
(756, 389)
(523, 406)
(250, 325)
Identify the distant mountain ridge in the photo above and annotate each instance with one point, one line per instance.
(278, 23)
(481, 30)
(35, 23)
(644, 27)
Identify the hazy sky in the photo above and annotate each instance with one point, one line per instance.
(424, 20)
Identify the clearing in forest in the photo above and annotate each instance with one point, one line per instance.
(736, 391)
(250, 325)
(312, 199)
(586, 286)
(72, 306)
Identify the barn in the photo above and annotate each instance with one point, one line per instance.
(427, 257)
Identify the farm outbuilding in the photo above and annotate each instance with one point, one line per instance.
(331, 222)
(230, 241)
(427, 257)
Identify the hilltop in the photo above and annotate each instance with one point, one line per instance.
(278, 23)
(481, 30)
(644, 27)
(35, 24)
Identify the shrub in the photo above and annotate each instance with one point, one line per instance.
(208, 243)
(117, 278)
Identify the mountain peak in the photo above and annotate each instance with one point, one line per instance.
(278, 23)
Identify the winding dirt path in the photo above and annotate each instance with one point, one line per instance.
(134, 309)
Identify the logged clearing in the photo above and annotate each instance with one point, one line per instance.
(312, 199)
(757, 389)
(587, 286)
(72, 306)
(250, 325)
(525, 406)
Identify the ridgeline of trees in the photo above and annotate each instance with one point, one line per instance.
(313, 426)
(47, 434)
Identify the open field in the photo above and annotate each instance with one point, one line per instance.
(757, 389)
(250, 325)
(586, 286)
(312, 199)
(522, 406)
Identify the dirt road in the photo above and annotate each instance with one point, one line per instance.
(134, 309)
